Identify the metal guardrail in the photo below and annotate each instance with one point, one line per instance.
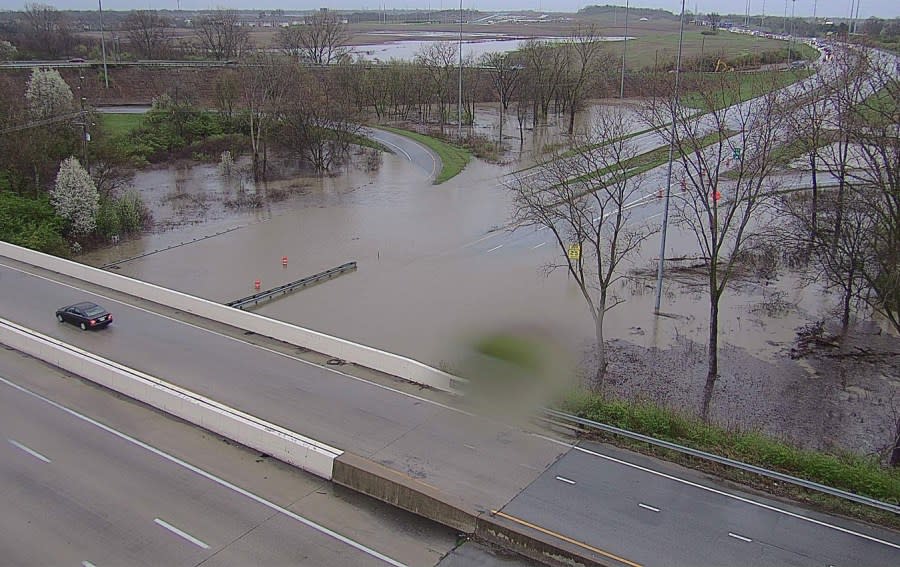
(725, 461)
(292, 286)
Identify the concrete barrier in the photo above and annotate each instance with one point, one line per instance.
(386, 484)
(292, 448)
(389, 363)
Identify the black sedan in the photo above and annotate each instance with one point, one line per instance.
(86, 315)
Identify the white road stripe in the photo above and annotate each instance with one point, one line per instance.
(469, 447)
(740, 537)
(180, 533)
(31, 452)
(732, 496)
(564, 479)
(482, 239)
(209, 476)
(495, 248)
(87, 564)
(538, 246)
(646, 507)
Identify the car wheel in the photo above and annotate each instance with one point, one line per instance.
(83, 327)
(59, 318)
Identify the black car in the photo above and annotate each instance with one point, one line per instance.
(86, 315)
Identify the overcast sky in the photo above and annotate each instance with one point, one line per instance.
(880, 8)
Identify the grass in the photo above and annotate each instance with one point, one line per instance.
(646, 50)
(747, 86)
(118, 125)
(453, 158)
(853, 473)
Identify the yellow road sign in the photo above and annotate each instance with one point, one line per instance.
(575, 251)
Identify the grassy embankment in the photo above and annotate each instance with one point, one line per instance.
(453, 158)
(748, 85)
(853, 473)
(118, 125)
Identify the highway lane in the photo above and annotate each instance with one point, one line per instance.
(72, 492)
(482, 463)
(416, 153)
(637, 513)
(58, 433)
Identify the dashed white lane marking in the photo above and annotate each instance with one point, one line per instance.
(495, 248)
(538, 246)
(469, 447)
(209, 476)
(31, 452)
(180, 533)
(87, 564)
(647, 507)
(565, 480)
(723, 493)
(482, 239)
(740, 537)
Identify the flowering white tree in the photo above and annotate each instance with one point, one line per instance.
(7, 50)
(75, 197)
(47, 94)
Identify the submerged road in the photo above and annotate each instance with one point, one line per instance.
(639, 511)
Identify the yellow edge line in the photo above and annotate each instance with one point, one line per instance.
(566, 539)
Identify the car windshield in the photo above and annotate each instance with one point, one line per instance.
(93, 311)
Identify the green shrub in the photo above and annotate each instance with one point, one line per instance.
(31, 223)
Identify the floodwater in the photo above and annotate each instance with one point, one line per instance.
(471, 47)
(437, 266)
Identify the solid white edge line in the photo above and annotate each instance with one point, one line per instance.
(565, 480)
(397, 147)
(648, 507)
(31, 452)
(180, 533)
(209, 476)
(739, 498)
(235, 339)
(740, 537)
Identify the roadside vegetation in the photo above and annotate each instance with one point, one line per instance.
(745, 87)
(845, 471)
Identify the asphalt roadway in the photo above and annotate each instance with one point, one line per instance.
(621, 506)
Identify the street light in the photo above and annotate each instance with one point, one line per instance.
(459, 98)
(624, 47)
(665, 220)
(103, 45)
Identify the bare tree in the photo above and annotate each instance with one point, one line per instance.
(439, 60)
(48, 30)
(320, 40)
(262, 86)
(315, 124)
(505, 74)
(221, 35)
(544, 66)
(148, 33)
(581, 200)
(720, 212)
(582, 50)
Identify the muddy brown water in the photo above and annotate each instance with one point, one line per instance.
(436, 267)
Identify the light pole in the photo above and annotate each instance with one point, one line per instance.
(103, 45)
(791, 40)
(665, 219)
(459, 97)
(624, 47)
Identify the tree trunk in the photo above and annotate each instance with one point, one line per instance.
(572, 119)
(895, 453)
(602, 361)
(815, 194)
(712, 371)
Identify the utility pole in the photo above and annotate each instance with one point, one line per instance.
(103, 45)
(665, 220)
(85, 134)
(791, 40)
(624, 48)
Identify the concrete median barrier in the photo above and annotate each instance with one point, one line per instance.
(292, 448)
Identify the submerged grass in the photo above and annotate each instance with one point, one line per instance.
(453, 158)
